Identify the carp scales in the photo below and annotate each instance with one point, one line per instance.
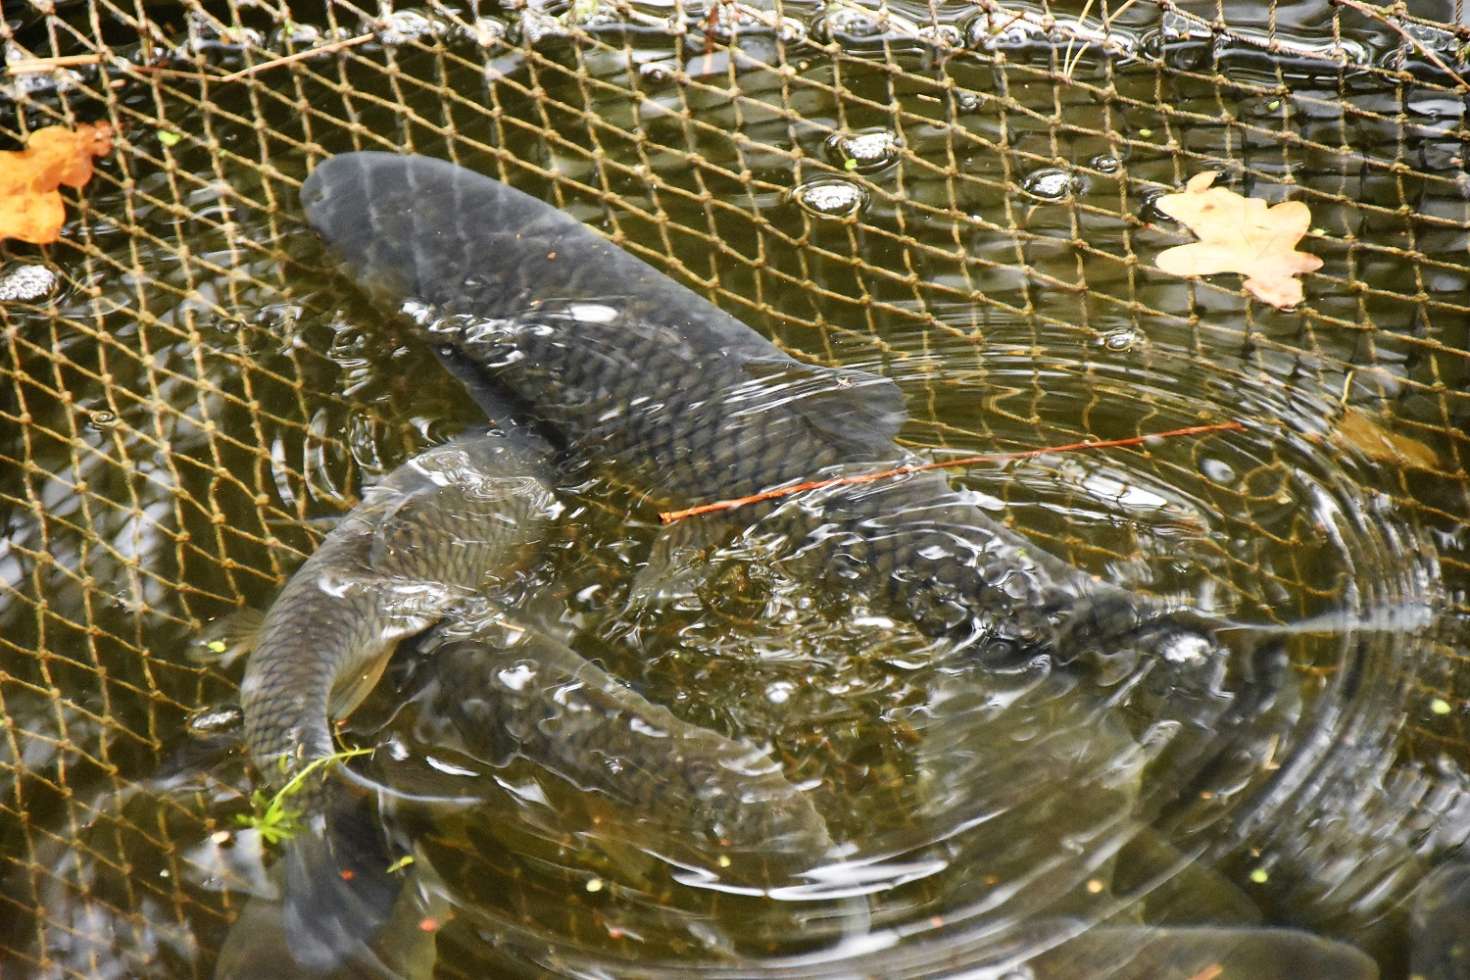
(688, 404)
(441, 529)
(428, 544)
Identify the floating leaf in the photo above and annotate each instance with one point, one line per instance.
(30, 205)
(1240, 234)
(1358, 430)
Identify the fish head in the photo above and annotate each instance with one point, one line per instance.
(366, 218)
(414, 228)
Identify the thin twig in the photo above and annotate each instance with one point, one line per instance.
(348, 42)
(30, 66)
(669, 517)
(1068, 65)
(1374, 13)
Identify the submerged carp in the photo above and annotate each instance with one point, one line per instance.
(441, 530)
(445, 527)
(687, 403)
(429, 544)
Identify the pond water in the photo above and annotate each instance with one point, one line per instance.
(935, 196)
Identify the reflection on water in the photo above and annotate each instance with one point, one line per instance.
(221, 413)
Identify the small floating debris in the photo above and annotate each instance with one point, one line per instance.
(831, 197)
(402, 26)
(657, 72)
(536, 26)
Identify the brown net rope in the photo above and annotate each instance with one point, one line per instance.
(957, 195)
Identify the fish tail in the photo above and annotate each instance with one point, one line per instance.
(338, 894)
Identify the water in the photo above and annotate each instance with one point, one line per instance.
(208, 414)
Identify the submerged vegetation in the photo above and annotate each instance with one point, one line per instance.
(272, 814)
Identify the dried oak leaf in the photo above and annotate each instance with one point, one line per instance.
(30, 205)
(1240, 234)
(1358, 430)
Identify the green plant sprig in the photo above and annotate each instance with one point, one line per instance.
(271, 816)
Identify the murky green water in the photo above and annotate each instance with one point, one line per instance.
(201, 398)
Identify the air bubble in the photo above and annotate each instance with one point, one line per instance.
(213, 721)
(1218, 470)
(849, 22)
(403, 26)
(780, 692)
(1051, 184)
(843, 22)
(831, 197)
(726, 26)
(656, 72)
(27, 283)
(991, 31)
(1106, 163)
(865, 152)
(1120, 340)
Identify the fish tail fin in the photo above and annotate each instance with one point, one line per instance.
(338, 893)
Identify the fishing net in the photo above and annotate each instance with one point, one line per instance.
(960, 196)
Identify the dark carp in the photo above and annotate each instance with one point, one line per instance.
(686, 403)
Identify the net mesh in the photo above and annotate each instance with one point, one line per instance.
(958, 194)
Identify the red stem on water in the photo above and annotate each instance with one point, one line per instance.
(669, 517)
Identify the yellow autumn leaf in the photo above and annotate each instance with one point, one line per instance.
(1359, 430)
(1240, 234)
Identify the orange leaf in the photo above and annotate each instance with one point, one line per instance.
(30, 205)
(1240, 234)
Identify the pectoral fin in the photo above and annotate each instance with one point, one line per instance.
(228, 638)
(352, 689)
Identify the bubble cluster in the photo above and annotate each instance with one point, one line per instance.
(831, 197)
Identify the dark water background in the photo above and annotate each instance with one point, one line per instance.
(200, 398)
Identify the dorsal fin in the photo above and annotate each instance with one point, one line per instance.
(850, 407)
